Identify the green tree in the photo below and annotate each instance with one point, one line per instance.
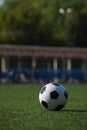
(40, 23)
(78, 29)
(21, 22)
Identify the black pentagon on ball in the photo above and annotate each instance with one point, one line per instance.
(66, 94)
(54, 95)
(59, 107)
(56, 84)
(44, 104)
(43, 89)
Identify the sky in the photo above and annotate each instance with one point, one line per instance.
(1, 2)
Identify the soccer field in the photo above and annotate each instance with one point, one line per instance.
(20, 109)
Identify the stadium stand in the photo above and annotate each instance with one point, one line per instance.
(24, 75)
(62, 61)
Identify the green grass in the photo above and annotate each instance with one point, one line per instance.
(20, 109)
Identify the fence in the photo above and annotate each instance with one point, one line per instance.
(27, 75)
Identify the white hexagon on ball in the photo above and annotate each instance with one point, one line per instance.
(53, 96)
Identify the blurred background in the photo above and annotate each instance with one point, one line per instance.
(43, 40)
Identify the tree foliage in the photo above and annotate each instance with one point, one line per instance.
(40, 23)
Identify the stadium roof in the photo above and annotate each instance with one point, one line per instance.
(38, 51)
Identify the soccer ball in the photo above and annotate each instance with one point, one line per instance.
(53, 96)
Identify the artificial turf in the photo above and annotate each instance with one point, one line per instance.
(20, 109)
